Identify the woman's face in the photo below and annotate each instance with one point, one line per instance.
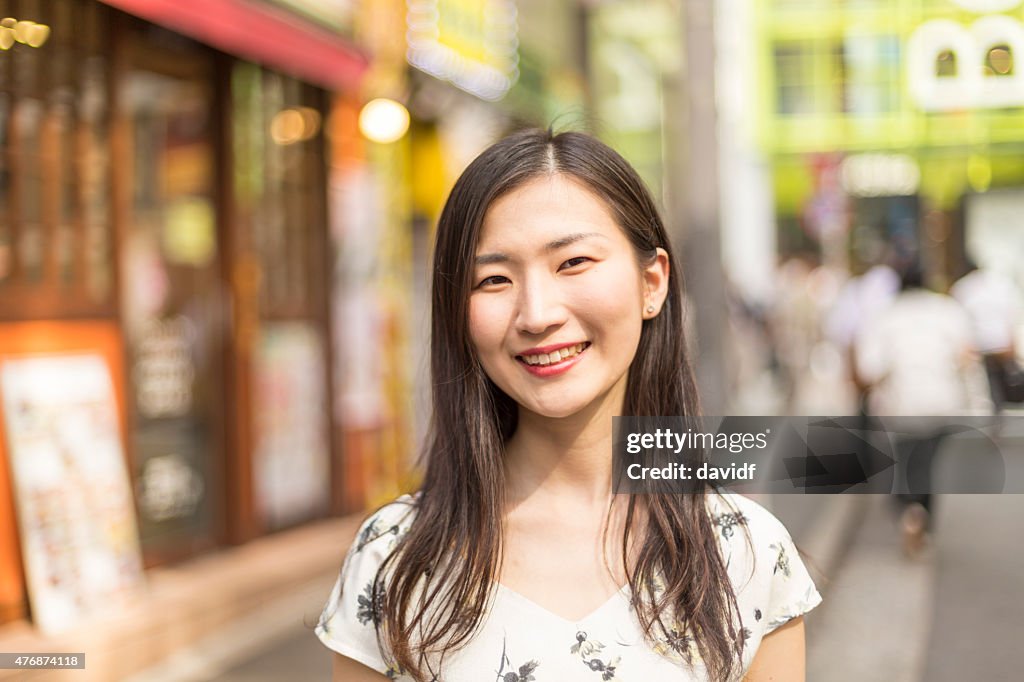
(558, 298)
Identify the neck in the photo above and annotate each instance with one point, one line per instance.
(565, 458)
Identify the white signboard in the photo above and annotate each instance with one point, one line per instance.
(969, 46)
(78, 531)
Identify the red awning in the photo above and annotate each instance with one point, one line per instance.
(259, 33)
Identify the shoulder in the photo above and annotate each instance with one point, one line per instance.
(729, 511)
(771, 582)
(756, 546)
(382, 530)
(349, 621)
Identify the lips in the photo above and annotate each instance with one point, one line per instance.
(549, 355)
(558, 358)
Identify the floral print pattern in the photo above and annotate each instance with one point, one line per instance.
(781, 560)
(370, 605)
(677, 644)
(531, 644)
(523, 673)
(587, 649)
(727, 521)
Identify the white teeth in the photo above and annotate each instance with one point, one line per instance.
(553, 356)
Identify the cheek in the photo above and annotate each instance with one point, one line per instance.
(486, 328)
(616, 295)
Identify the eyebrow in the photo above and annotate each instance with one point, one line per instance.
(554, 245)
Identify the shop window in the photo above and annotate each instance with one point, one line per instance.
(279, 187)
(872, 74)
(999, 61)
(279, 242)
(794, 79)
(55, 231)
(172, 305)
(809, 77)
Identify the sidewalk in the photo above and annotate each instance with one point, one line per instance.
(876, 617)
(228, 603)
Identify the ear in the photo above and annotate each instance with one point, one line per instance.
(655, 277)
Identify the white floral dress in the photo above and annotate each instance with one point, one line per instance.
(521, 641)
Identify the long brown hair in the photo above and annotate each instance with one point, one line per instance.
(434, 589)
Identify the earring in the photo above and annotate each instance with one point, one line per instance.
(650, 308)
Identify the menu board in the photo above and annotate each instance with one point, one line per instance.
(79, 538)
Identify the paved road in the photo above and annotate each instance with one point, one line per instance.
(977, 631)
(875, 619)
(952, 615)
(296, 656)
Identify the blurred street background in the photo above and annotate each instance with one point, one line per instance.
(216, 220)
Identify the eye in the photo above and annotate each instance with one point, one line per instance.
(492, 281)
(573, 262)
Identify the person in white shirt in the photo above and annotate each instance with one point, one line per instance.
(556, 306)
(916, 358)
(993, 304)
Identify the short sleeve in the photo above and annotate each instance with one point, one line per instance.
(793, 592)
(772, 584)
(348, 623)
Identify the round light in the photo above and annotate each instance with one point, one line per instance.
(38, 34)
(22, 30)
(383, 120)
(287, 126)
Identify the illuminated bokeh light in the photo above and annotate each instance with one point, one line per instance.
(25, 32)
(294, 124)
(383, 120)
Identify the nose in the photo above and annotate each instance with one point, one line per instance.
(540, 307)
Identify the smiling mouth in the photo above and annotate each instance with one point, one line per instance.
(554, 357)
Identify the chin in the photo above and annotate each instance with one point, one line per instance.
(560, 412)
(558, 408)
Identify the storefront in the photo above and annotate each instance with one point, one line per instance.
(164, 295)
(916, 109)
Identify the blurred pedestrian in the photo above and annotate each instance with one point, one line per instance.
(795, 321)
(993, 305)
(916, 359)
(860, 300)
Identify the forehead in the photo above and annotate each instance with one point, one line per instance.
(548, 206)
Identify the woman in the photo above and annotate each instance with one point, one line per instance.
(556, 305)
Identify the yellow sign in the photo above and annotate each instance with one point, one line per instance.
(472, 44)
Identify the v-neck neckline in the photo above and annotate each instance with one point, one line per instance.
(517, 596)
